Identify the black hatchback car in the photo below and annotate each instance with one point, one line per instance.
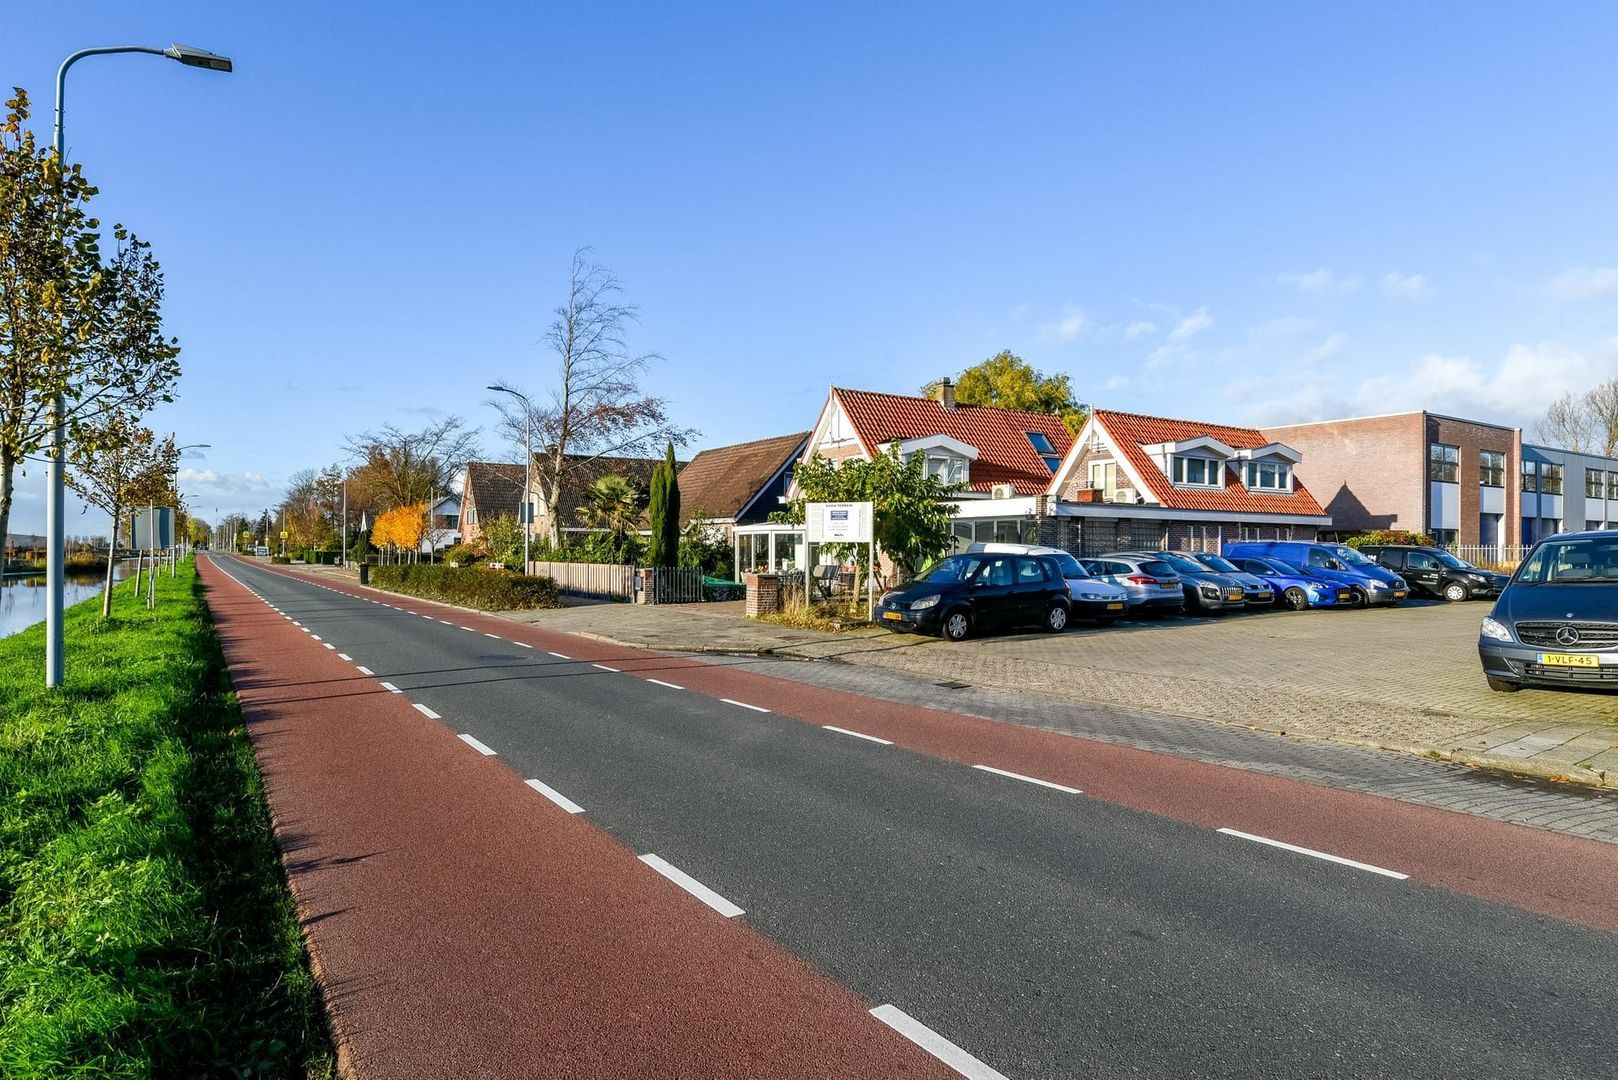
(962, 594)
(1437, 572)
(1557, 622)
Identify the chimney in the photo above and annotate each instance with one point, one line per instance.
(946, 393)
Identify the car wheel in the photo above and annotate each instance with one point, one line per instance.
(957, 625)
(1454, 592)
(1056, 618)
(1505, 686)
(1296, 598)
(1357, 598)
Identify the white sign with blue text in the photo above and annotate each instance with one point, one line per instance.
(837, 523)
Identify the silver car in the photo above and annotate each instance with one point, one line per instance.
(1153, 586)
(1205, 590)
(1260, 594)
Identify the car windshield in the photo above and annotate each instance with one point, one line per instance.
(954, 569)
(1284, 567)
(1158, 568)
(1070, 566)
(1224, 566)
(1184, 564)
(1453, 563)
(1351, 557)
(1571, 562)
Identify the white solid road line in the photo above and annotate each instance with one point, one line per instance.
(474, 744)
(345, 656)
(857, 734)
(692, 886)
(390, 688)
(555, 796)
(935, 1044)
(604, 667)
(363, 670)
(743, 704)
(1029, 779)
(670, 685)
(1316, 854)
(560, 656)
(425, 711)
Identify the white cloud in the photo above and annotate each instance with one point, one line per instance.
(1069, 328)
(1404, 286)
(1192, 325)
(1584, 283)
(197, 476)
(1320, 282)
(1326, 349)
(1117, 382)
(1286, 326)
(1138, 329)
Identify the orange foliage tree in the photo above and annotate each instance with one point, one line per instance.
(400, 528)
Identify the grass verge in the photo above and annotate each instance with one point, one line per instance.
(146, 928)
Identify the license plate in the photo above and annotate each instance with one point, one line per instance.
(1115, 607)
(1344, 597)
(1233, 594)
(1399, 594)
(894, 615)
(1556, 659)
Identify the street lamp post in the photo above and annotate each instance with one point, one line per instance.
(525, 511)
(55, 465)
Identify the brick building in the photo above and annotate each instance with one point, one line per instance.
(1452, 478)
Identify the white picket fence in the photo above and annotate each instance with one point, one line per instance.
(620, 581)
(1489, 554)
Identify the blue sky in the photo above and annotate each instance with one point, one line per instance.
(1238, 213)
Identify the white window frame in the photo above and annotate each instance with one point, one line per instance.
(1181, 471)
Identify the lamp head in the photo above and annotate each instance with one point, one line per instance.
(191, 56)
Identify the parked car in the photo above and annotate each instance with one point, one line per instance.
(1205, 590)
(1368, 582)
(1153, 586)
(1091, 598)
(1437, 572)
(1297, 587)
(963, 594)
(1556, 623)
(1258, 592)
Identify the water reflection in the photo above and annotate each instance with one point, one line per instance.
(22, 599)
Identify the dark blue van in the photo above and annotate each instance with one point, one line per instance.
(1556, 623)
(1368, 582)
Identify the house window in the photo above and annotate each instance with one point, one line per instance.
(1269, 476)
(1591, 526)
(1530, 476)
(1104, 476)
(1612, 485)
(471, 515)
(1595, 483)
(947, 469)
(1042, 446)
(1444, 463)
(1491, 468)
(1204, 472)
(1550, 478)
(1445, 537)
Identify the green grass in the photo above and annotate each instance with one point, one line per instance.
(145, 924)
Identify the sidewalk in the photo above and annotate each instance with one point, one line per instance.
(1404, 680)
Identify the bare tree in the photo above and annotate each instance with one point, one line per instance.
(1567, 424)
(121, 466)
(398, 468)
(1602, 405)
(597, 407)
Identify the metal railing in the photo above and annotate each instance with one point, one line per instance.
(1489, 554)
(671, 585)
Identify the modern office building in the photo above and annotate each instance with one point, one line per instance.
(1565, 491)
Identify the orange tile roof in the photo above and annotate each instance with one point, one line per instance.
(1130, 432)
(1005, 456)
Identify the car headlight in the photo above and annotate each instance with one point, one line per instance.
(1208, 590)
(1096, 596)
(1494, 628)
(925, 602)
(1478, 577)
(1314, 590)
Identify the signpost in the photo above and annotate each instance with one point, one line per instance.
(844, 523)
(151, 532)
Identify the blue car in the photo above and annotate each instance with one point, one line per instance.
(1295, 587)
(1368, 583)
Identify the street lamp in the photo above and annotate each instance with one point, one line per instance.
(55, 467)
(525, 511)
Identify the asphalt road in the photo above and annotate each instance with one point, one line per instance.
(1043, 932)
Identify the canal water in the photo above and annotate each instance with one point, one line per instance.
(22, 599)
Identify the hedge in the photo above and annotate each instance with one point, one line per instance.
(322, 557)
(468, 586)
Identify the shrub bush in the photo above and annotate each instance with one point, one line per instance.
(280, 560)
(322, 558)
(1390, 536)
(465, 554)
(469, 586)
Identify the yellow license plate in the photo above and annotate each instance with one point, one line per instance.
(1556, 659)
(1115, 607)
(1399, 594)
(894, 615)
(1233, 594)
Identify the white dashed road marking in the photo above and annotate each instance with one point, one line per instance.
(743, 704)
(479, 747)
(363, 670)
(1317, 854)
(425, 711)
(1029, 779)
(345, 656)
(670, 685)
(390, 688)
(604, 667)
(559, 656)
(555, 796)
(935, 1044)
(857, 734)
(692, 886)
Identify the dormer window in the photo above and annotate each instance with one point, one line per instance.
(1269, 476)
(1042, 446)
(1199, 471)
(946, 468)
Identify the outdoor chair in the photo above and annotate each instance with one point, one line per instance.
(825, 578)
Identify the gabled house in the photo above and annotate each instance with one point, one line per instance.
(491, 489)
(736, 485)
(1132, 481)
(581, 472)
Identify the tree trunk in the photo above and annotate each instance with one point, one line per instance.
(140, 564)
(8, 468)
(112, 552)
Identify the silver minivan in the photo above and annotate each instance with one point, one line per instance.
(1153, 585)
(1092, 597)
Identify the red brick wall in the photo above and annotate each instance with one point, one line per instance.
(1472, 438)
(1368, 473)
